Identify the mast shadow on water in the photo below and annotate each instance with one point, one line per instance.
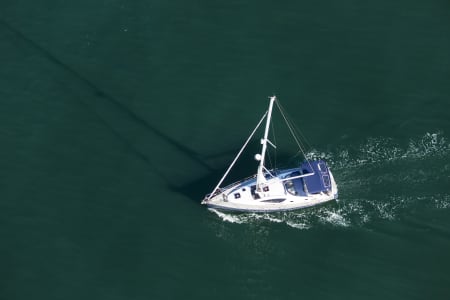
(120, 119)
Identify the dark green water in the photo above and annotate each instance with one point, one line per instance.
(118, 116)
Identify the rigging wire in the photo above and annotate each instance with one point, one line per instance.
(294, 131)
(237, 156)
(274, 164)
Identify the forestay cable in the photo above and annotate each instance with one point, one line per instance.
(237, 156)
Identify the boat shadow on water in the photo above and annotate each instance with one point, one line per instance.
(198, 188)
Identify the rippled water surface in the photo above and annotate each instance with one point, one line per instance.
(117, 117)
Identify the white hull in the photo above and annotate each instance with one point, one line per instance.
(277, 199)
(310, 184)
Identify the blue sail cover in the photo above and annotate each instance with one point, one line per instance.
(320, 181)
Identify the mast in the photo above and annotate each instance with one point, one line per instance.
(260, 179)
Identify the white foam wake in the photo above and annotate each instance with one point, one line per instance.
(379, 179)
(384, 149)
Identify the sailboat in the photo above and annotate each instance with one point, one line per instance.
(307, 184)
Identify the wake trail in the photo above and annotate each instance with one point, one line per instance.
(378, 179)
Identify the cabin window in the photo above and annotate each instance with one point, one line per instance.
(326, 181)
(237, 195)
(279, 200)
(290, 187)
(322, 167)
(266, 189)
